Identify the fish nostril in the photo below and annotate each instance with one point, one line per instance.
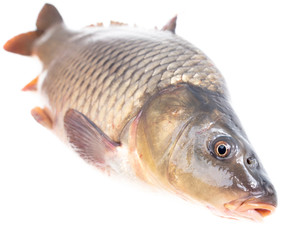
(251, 162)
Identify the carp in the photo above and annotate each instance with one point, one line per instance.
(148, 105)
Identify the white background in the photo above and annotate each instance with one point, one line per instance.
(46, 192)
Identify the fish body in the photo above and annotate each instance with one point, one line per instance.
(147, 104)
(114, 71)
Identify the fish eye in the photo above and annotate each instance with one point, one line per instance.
(222, 149)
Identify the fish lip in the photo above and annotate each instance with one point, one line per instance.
(250, 208)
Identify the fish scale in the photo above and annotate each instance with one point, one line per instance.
(139, 63)
(148, 105)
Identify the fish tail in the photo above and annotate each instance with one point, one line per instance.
(23, 43)
(48, 16)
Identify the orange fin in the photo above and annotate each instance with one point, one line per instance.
(98, 24)
(23, 43)
(42, 117)
(171, 25)
(116, 23)
(31, 86)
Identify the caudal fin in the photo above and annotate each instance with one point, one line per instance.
(48, 16)
(23, 43)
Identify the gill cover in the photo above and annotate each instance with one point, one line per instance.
(177, 135)
(161, 124)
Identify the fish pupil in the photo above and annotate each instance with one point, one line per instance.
(222, 149)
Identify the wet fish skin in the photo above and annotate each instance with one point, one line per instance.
(192, 119)
(148, 104)
(115, 70)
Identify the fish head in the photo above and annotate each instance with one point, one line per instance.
(191, 141)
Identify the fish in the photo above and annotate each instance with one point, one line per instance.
(147, 105)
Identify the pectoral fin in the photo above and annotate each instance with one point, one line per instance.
(88, 140)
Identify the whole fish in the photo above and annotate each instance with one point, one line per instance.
(148, 105)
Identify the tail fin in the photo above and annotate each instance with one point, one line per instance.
(23, 43)
(48, 17)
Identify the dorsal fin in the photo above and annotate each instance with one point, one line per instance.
(48, 16)
(171, 25)
(116, 23)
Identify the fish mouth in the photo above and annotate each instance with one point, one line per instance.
(251, 208)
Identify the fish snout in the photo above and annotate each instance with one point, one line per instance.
(265, 203)
(262, 191)
(260, 202)
(266, 194)
(269, 192)
(254, 207)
